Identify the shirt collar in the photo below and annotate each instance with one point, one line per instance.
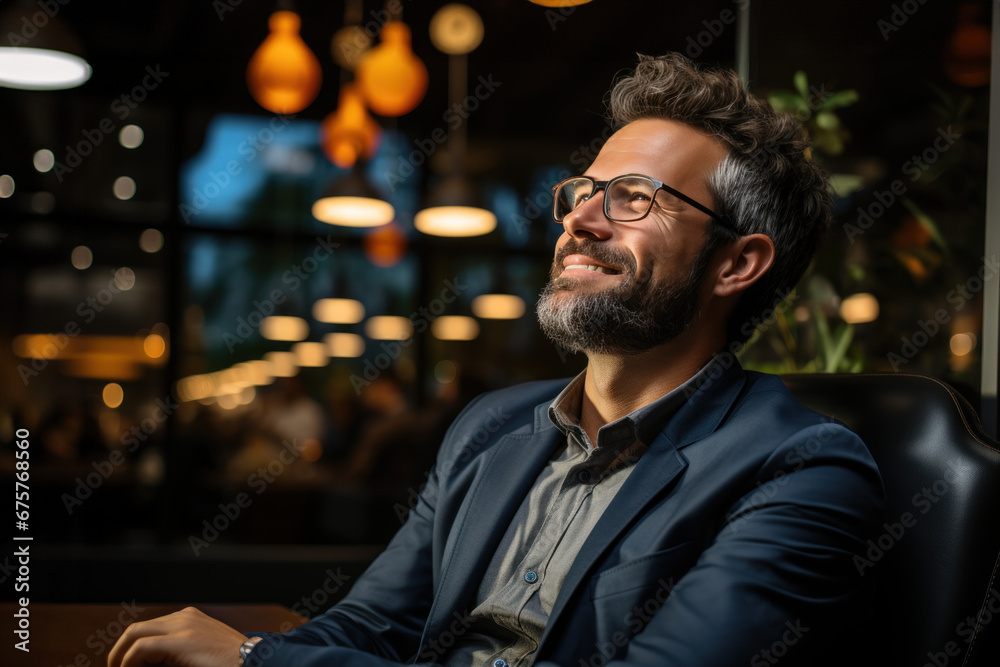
(642, 425)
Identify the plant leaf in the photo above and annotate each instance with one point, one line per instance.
(784, 100)
(926, 222)
(844, 184)
(823, 332)
(845, 334)
(839, 99)
(801, 83)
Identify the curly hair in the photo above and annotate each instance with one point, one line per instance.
(767, 183)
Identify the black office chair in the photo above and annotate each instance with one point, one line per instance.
(936, 562)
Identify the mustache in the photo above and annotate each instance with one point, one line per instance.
(613, 257)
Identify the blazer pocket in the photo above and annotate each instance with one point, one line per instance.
(625, 597)
(644, 572)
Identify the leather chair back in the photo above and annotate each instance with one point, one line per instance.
(936, 559)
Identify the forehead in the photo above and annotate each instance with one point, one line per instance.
(674, 152)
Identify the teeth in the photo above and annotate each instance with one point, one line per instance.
(589, 267)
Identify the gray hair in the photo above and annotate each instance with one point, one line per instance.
(767, 184)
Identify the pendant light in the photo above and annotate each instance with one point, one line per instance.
(349, 132)
(349, 137)
(559, 3)
(498, 306)
(392, 78)
(351, 42)
(284, 76)
(454, 207)
(351, 201)
(33, 57)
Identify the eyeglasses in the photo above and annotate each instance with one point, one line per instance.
(626, 198)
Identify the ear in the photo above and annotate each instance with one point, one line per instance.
(742, 263)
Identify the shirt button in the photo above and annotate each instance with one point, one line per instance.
(531, 577)
(499, 662)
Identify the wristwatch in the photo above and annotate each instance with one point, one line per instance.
(245, 649)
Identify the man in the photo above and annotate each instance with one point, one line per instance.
(664, 508)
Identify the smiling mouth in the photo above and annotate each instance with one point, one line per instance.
(593, 267)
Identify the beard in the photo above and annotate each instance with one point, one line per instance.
(632, 317)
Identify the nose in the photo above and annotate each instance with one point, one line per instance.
(587, 221)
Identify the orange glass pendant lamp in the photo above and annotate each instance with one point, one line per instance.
(349, 132)
(559, 3)
(284, 75)
(392, 78)
(386, 245)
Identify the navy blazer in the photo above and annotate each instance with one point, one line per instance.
(730, 543)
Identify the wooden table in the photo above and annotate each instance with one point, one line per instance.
(82, 634)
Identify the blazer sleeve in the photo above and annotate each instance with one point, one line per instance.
(780, 576)
(381, 620)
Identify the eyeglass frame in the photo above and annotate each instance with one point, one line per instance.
(659, 185)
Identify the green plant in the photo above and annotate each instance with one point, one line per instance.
(816, 109)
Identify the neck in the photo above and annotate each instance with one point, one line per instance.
(617, 385)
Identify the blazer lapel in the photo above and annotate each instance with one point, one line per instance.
(516, 461)
(653, 474)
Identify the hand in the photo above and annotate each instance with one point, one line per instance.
(187, 638)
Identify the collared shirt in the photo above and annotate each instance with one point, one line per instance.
(522, 581)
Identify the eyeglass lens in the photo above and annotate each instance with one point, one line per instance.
(627, 198)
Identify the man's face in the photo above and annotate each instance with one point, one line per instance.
(646, 288)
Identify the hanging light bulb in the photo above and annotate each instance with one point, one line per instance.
(53, 61)
(349, 132)
(351, 201)
(454, 209)
(392, 79)
(559, 3)
(456, 29)
(386, 245)
(284, 75)
(454, 206)
(350, 43)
